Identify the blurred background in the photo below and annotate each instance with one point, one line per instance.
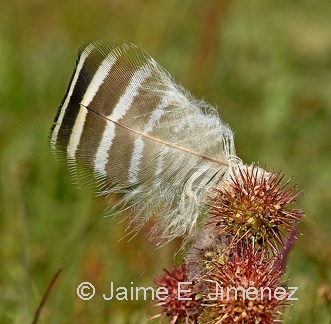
(265, 65)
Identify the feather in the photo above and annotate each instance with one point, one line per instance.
(125, 121)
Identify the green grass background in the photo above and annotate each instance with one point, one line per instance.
(266, 65)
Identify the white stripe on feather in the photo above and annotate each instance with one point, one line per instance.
(119, 112)
(156, 115)
(76, 132)
(139, 144)
(90, 93)
(79, 67)
(136, 159)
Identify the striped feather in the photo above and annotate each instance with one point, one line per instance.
(125, 120)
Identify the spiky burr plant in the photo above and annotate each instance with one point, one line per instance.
(254, 207)
(180, 309)
(246, 288)
(240, 245)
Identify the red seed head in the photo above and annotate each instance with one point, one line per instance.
(175, 306)
(253, 206)
(246, 270)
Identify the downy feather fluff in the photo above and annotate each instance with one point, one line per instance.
(128, 124)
